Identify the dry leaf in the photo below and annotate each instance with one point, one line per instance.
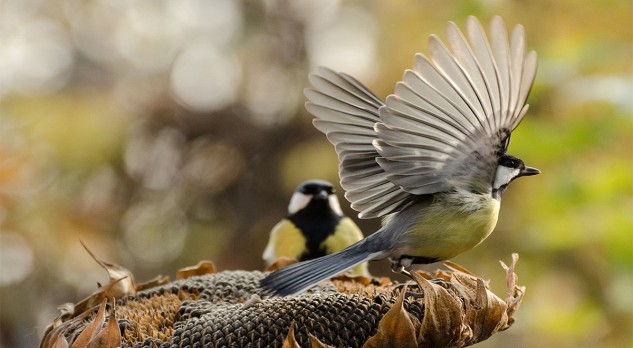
(395, 328)
(485, 313)
(316, 343)
(439, 274)
(110, 336)
(121, 279)
(424, 275)
(60, 342)
(515, 292)
(66, 311)
(511, 277)
(290, 341)
(493, 311)
(157, 281)
(443, 315)
(468, 289)
(356, 278)
(384, 281)
(455, 267)
(202, 268)
(360, 285)
(92, 329)
(280, 263)
(53, 333)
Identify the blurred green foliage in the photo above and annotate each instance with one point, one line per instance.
(162, 133)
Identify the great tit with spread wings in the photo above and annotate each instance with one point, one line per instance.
(431, 160)
(314, 226)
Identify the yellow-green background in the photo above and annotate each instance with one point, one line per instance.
(98, 142)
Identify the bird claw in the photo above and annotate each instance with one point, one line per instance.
(406, 272)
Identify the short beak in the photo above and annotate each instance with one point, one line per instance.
(321, 195)
(530, 171)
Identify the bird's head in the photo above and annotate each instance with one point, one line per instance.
(316, 191)
(508, 169)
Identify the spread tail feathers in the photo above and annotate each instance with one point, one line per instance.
(303, 275)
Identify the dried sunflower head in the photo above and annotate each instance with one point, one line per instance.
(448, 308)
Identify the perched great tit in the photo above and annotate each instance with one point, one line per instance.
(432, 159)
(314, 226)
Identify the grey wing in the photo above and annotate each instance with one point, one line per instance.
(346, 112)
(451, 117)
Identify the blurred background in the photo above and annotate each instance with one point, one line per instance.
(162, 133)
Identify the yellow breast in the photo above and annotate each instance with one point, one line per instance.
(451, 226)
(286, 240)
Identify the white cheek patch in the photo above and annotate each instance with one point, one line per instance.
(504, 175)
(334, 205)
(298, 202)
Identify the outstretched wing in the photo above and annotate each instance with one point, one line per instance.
(346, 112)
(446, 124)
(451, 116)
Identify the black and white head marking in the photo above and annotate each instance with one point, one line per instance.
(508, 169)
(314, 190)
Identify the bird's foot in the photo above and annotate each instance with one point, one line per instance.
(402, 265)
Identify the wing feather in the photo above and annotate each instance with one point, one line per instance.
(500, 54)
(346, 112)
(412, 106)
(443, 92)
(454, 74)
(449, 120)
(481, 51)
(467, 61)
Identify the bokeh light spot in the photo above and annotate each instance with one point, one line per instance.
(204, 78)
(16, 258)
(35, 57)
(155, 232)
(347, 44)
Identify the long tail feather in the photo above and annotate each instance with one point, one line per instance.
(303, 275)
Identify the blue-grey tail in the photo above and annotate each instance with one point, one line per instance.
(303, 275)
